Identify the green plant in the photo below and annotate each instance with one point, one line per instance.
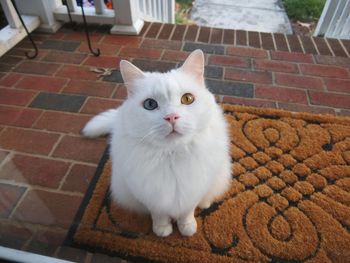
(183, 8)
(304, 10)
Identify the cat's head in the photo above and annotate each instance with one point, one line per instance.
(169, 108)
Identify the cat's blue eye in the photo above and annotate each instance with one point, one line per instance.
(150, 104)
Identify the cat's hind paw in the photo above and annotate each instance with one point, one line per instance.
(163, 230)
(188, 229)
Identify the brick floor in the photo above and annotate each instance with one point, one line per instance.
(45, 164)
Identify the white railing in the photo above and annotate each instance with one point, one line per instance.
(127, 16)
(14, 32)
(158, 10)
(335, 20)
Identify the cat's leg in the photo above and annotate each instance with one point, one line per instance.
(187, 224)
(220, 186)
(161, 224)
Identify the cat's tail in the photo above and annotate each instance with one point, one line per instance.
(101, 124)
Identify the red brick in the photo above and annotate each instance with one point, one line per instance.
(105, 49)
(246, 52)
(305, 108)
(14, 235)
(340, 85)
(103, 62)
(122, 40)
(299, 81)
(64, 57)
(50, 236)
(22, 117)
(161, 44)
(281, 94)
(132, 52)
(10, 80)
(330, 99)
(15, 97)
(9, 196)
(173, 55)
(47, 208)
(80, 149)
(249, 76)
(229, 61)
(27, 140)
(8, 59)
(249, 102)
(77, 72)
(91, 88)
(62, 122)
(34, 171)
(121, 93)
(324, 71)
(40, 68)
(81, 36)
(278, 66)
(293, 57)
(330, 60)
(42, 83)
(79, 178)
(95, 105)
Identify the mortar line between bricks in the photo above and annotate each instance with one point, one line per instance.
(325, 89)
(308, 98)
(274, 41)
(7, 159)
(301, 44)
(63, 180)
(314, 43)
(37, 119)
(33, 226)
(160, 30)
(342, 45)
(55, 145)
(288, 45)
(171, 33)
(329, 46)
(58, 70)
(197, 34)
(27, 242)
(18, 203)
(38, 187)
(185, 32)
(260, 40)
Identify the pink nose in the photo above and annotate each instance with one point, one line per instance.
(172, 117)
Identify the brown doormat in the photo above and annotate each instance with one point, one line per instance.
(289, 200)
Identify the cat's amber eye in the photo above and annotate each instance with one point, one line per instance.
(187, 99)
(150, 104)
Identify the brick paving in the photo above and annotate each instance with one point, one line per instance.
(45, 164)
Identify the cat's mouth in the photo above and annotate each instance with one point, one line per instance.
(173, 133)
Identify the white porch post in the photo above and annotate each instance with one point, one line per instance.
(128, 20)
(43, 9)
(10, 14)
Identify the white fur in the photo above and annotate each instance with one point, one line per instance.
(168, 176)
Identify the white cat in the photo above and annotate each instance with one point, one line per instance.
(169, 145)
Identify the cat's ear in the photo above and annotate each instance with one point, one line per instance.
(130, 73)
(194, 65)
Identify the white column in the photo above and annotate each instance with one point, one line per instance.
(10, 13)
(43, 9)
(127, 17)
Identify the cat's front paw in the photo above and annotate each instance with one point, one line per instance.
(204, 204)
(188, 229)
(163, 230)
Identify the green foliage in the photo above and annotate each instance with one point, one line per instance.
(181, 15)
(304, 10)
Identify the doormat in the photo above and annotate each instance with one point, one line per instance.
(288, 202)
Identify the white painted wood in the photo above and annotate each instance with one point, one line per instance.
(158, 10)
(335, 20)
(10, 13)
(14, 255)
(72, 4)
(44, 10)
(108, 16)
(127, 17)
(99, 6)
(9, 37)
